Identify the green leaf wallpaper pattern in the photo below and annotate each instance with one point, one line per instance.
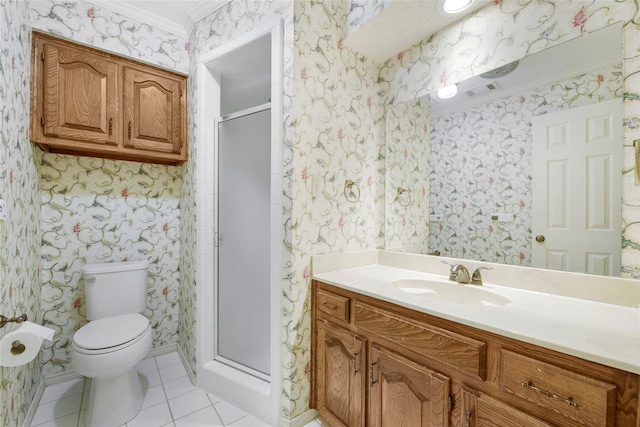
(19, 247)
(97, 210)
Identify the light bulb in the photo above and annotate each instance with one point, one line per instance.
(448, 92)
(456, 6)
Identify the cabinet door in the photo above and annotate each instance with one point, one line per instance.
(404, 393)
(340, 373)
(80, 95)
(153, 106)
(480, 410)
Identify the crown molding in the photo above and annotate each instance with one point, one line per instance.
(145, 14)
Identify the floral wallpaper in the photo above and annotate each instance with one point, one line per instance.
(96, 210)
(92, 25)
(362, 11)
(481, 164)
(407, 175)
(338, 120)
(507, 30)
(20, 232)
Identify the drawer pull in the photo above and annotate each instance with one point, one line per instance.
(569, 401)
(330, 307)
(373, 377)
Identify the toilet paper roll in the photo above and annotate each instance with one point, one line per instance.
(21, 345)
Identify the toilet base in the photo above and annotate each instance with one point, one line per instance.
(114, 401)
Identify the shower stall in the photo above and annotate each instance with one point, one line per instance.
(239, 226)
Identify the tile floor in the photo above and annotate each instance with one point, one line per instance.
(170, 400)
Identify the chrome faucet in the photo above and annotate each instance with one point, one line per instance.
(476, 278)
(458, 273)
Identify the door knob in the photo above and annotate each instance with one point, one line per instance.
(539, 238)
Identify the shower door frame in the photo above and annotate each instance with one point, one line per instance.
(259, 398)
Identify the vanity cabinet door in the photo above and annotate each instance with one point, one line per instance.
(78, 102)
(481, 410)
(404, 393)
(340, 372)
(153, 110)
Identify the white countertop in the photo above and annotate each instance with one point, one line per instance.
(601, 332)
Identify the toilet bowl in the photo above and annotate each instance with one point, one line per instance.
(116, 339)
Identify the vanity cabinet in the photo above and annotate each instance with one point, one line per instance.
(423, 370)
(88, 102)
(341, 369)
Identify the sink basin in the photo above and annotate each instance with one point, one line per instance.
(452, 292)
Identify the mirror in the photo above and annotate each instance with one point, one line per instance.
(467, 192)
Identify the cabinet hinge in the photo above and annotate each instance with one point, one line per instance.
(41, 121)
(451, 402)
(42, 55)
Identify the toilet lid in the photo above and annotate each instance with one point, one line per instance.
(110, 332)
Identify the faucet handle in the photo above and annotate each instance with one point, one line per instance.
(476, 278)
(452, 273)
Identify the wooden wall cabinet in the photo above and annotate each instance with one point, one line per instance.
(377, 364)
(91, 103)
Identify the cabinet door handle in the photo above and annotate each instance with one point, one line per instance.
(110, 126)
(129, 131)
(569, 400)
(373, 377)
(468, 419)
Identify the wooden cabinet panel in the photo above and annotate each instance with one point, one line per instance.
(80, 95)
(341, 375)
(334, 305)
(580, 398)
(152, 111)
(480, 410)
(463, 353)
(404, 393)
(91, 103)
(426, 371)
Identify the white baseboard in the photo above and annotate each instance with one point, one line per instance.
(301, 420)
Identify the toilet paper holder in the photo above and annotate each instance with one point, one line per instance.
(19, 319)
(16, 346)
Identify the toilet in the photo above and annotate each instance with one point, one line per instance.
(116, 339)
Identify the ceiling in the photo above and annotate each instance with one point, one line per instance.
(393, 30)
(402, 25)
(175, 16)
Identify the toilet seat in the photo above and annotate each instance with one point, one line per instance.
(110, 334)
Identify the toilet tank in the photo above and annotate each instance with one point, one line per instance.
(115, 288)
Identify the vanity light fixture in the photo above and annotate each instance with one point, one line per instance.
(452, 7)
(448, 91)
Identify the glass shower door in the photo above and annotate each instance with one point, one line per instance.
(244, 185)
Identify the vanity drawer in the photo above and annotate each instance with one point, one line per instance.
(458, 351)
(334, 305)
(585, 400)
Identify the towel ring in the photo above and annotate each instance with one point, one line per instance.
(403, 201)
(351, 191)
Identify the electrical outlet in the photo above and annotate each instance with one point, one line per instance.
(502, 217)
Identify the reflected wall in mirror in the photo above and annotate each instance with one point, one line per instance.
(481, 151)
(407, 176)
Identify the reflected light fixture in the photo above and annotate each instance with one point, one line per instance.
(448, 92)
(453, 7)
